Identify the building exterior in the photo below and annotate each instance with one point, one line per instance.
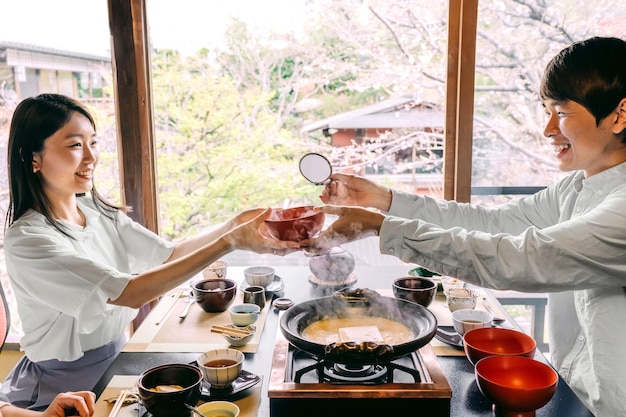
(400, 137)
(28, 70)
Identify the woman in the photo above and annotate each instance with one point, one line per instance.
(569, 239)
(79, 266)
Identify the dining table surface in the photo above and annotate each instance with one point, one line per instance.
(164, 338)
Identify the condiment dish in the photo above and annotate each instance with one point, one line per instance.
(461, 298)
(244, 314)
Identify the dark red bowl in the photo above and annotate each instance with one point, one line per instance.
(419, 290)
(215, 295)
(496, 341)
(295, 223)
(516, 385)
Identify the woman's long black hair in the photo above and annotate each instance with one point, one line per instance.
(36, 119)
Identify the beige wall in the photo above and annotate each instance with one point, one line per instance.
(8, 358)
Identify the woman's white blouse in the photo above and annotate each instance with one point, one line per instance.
(569, 240)
(62, 285)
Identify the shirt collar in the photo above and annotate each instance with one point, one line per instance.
(605, 180)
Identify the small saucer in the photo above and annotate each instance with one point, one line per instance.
(449, 336)
(350, 280)
(275, 286)
(244, 381)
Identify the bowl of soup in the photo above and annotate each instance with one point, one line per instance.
(166, 390)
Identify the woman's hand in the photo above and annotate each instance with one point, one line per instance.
(251, 234)
(81, 403)
(353, 223)
(352, 190)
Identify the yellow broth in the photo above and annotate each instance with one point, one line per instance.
(326, 331)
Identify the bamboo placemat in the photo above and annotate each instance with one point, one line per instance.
(163, 331)
(248, 401)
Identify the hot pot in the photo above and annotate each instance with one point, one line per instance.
(358, 303)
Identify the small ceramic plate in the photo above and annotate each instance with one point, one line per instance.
(449, 336)
(275, 286)
(244, 381)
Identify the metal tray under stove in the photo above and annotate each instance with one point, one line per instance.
(426, 389)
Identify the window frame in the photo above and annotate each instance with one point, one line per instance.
(134, 111)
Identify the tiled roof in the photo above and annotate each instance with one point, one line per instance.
(393, 113)
(52, 51)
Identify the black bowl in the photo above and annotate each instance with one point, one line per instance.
(215, 295)
(419, 290)
(170, 404)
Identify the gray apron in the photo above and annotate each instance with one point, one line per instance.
(34, 385)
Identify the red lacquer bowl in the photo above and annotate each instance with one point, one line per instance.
(295, 223)
(516, 385)
(495, 341)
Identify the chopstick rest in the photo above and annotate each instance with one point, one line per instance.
(119, 403)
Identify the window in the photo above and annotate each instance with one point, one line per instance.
(509, 147)
(241, 93)
(73, 59)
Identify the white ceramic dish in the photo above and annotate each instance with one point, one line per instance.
(259, 275)
(465, 320)
(277, 285)
(221, 367)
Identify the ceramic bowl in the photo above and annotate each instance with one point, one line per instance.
(450, 282)
(159, 389)
(244, 314)
(259, 275)
(219, 409)
(220, 367)
(217, 269)
(239, 341)
(295, 223)
(465, 320)
(419, 290)
(461, 298)
(517, 386)
(496, 341)
(214, 295)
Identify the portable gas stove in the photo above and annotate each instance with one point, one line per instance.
(302, 385)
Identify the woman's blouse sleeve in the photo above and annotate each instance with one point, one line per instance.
(78, 276)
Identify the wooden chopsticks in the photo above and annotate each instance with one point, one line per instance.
(230, 331)
(177, 297)
(119, 403)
